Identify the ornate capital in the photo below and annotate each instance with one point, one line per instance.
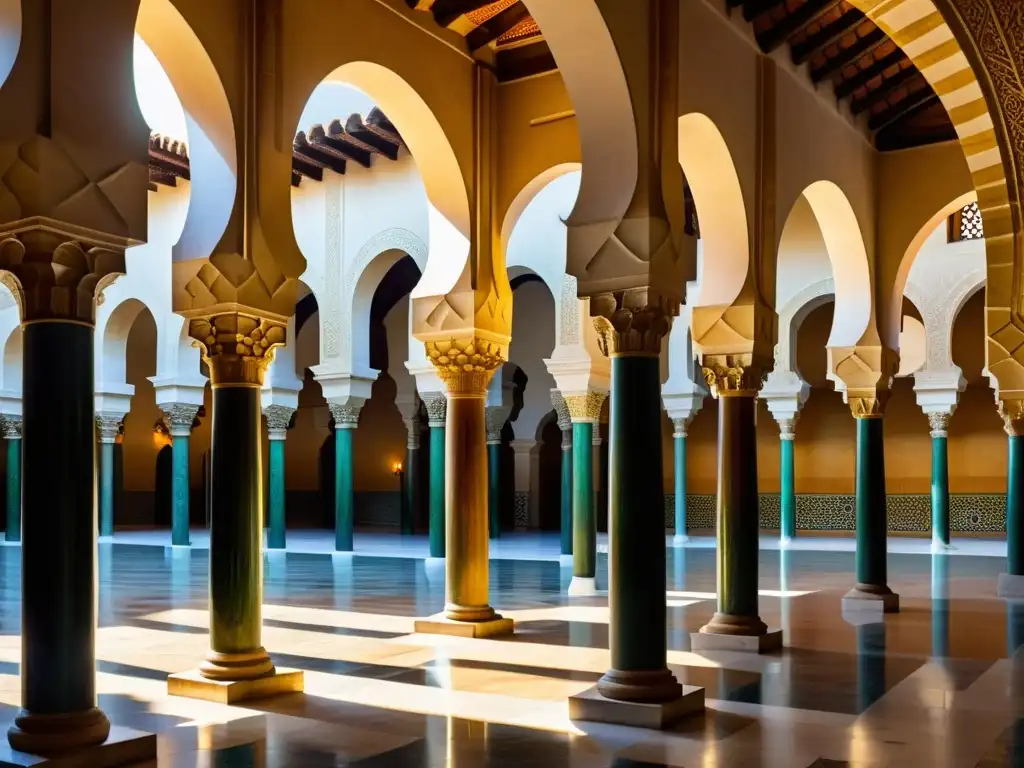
(679, 427)
(345, 416)
(279, 418)
(495, 417)
(58, 275)
(1012, 414)
(12, 427)
(465, 364)
(586, 409)
(787, 428)
(561, 411)
(938, 423)
(733, 375)
(237, 348)
(867, 404)
(437, 408)
(108, 425)
(627, 324)
(179, 418)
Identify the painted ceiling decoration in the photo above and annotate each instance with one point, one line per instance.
(333, 147)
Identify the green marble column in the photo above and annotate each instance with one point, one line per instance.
(279, 419)
(939, 423)
(567, 533)
(636, 527)
(12, 433)
(787, 480)
(346, 419)
(679, 472)
(107, 427)
(1015, 506)
(584, 520)
(495, 417)
(179, 418)
(410, 480)
(58, 628)
(437, 403)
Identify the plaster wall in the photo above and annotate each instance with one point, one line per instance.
(533, 338)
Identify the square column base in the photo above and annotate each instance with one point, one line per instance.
(441, 625)
(582, 586)
(1010, 586)
(591, 706)
(855, 601)
(714, 641)
(193, 685)
(124, 746)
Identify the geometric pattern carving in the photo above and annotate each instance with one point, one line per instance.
(522, 509)
(971, 227)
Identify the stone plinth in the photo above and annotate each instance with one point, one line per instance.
(591, 706)
(193, 685)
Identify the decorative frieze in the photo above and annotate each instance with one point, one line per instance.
(279, 419)
(179, 418)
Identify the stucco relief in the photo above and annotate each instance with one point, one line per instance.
(939, 290)
(569, 313)
(333, 309)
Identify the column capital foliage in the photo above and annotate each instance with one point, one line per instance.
(345, 416)
(437, 407)
(586, 408)
(867, 403)
(680, 426)
(731, 375)
(236, 347)
(279, 419)
(632, 322)
(179, 417)
(465, 364)
(12, 427)
(1012, 414)
(108, 425)
(787, 428)
(938, 423)
(57, 272)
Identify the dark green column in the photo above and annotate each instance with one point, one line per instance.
(939, 423)
(737, 517)
(495, 417)
(12, 433)
(436, 403)
(565, 539)
(584, 520)
(679, 447)
(179, 418)
(636, 527)
(279, 418)
(1015, 507)
(346, 419)
(107, 427)
(58, 628)
(410, 480)
(787, 480)
(940, 606)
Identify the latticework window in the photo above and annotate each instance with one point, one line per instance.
(966, 224)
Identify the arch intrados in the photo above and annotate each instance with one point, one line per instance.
(10, 36)
(711, 174)
(527, 195)
(12, 360)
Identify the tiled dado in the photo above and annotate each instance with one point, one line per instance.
(968, 512)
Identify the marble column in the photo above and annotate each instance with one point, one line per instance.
(495, 417)
(787, 481)
(565, 506)
(279, 418)
(679, 427)
(346, 420)
(939, 426)
(437, 410)
(237, 350)
(584, 411)
(12, 434)
(467, 611)
(1011, 583)
(411, 478)
(107, 427)
(179, 418)
(736, 625)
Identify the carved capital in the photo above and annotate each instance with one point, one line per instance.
(561, 411)
(495, 417)
(465, 364)
(867, 403)
(279, 418)
(1012, 414)
(345, 416)
(938, 423)
(628, 323)
(586, 409)
(179, 418)
(787, 428)
(437, 408)
(679, 426)
(237, 348)
(107, 426)
(12, 427)
(738, 375)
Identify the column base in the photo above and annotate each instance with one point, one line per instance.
(680, 539)
(871, 598)
(785, 542)
(440, 624)
(123, 746)
(54, 734)
(590, 705)
(582, 586)
(194, 685)
(1010, 586)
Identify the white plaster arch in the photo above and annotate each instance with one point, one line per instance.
(111, 352)
(10, 36)
(711, 174)
(11, 370)
(210, 125)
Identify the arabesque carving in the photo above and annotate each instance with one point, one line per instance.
(628, 323)
(237, 348)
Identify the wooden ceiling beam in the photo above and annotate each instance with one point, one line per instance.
(904, 108)
(827, 35)
(306, 169)
(754, 8)
(884, 90)
(865, 76)
(496, 26)
(317, 155)
(851, 55)
(447, 11)
(524, 60)
(376, 134)
(806, 14)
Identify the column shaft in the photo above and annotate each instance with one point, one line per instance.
(787, 490)
(940, 491)
(179, 491)
(637, 622)
(870, 507)
(344, 494)
(276, 533)
(410, 490)
(494, 489)
(567, 516)
(106, 494)
(437, 491)
(13, 489)
(1015, 507)
(679, 444)
(584, 521)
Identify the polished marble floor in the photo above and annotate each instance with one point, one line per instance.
(938, 685)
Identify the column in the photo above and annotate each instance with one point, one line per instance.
(237, 350)
(734, 380)
(872, 590)
(437, 409)
(346, 419)
(584, 412)
(565, 506)
(12, 433)
(1011, 583)
(495, 417)
(279, 418)
(679, 446)
(939, 425)
(107, 427)
(179, 418)
(411, 488)
(787, 481)
(523, 451)
(465, 368)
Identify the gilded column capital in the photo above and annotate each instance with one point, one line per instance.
(108, 425)
(437, 408)
(495, 417)
(938, 423)
(733, 375)
(179, 418)
(465, 364)
(12, 427)
(237, 348)
(1012, 414)
(561, 411)
(867, 403)
(345, 416)
(787, 428)
(586, 408)
(632, 322)
(279, 418)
